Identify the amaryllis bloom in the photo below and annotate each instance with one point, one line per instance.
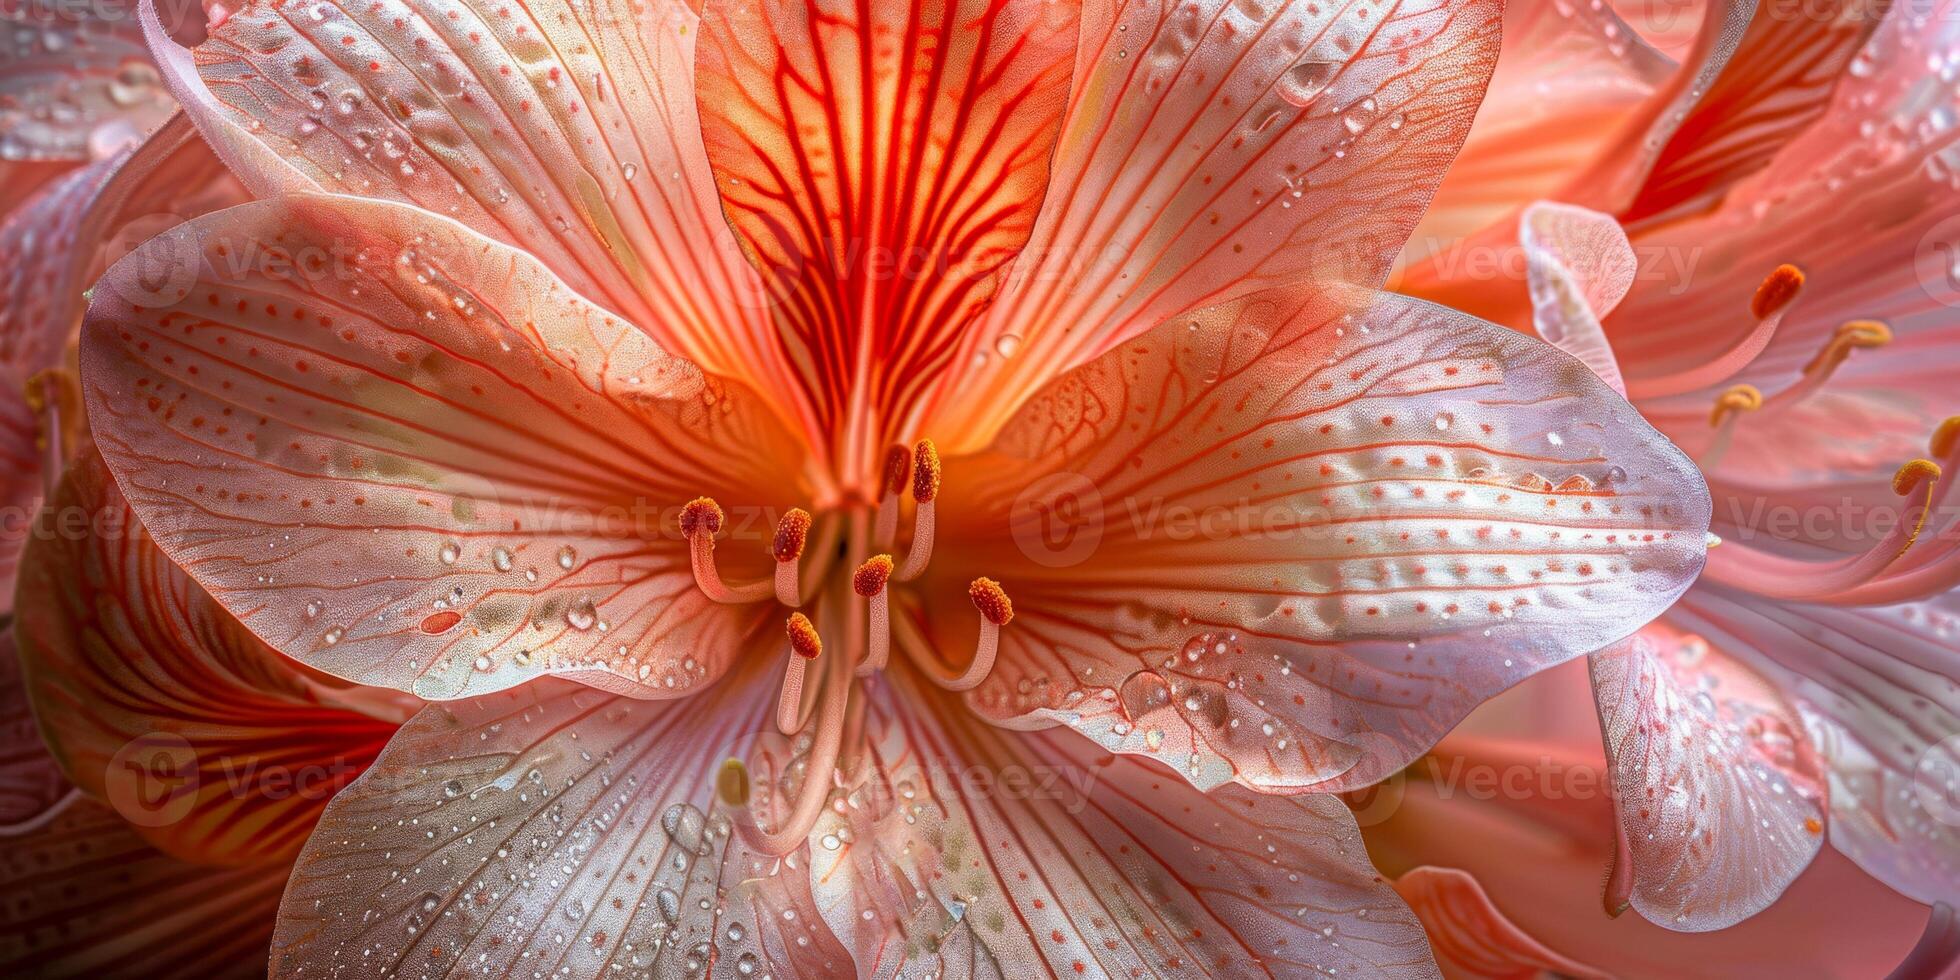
(873, 489)
(1772, 285)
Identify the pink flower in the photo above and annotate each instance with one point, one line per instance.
(1768, 281)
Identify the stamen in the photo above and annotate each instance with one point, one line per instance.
(995, 612)
(804, 645)
(791, 533)
(819, 770)
(1735, 400)
(701, 520)
(1855, 335)
(1777, 290)
(44, 393)
(1780, 577)
(1771, 300)
(925, 487)
(732, 783)
(898, 472)
(1729, 406)
(869, 581)
(1946, 438)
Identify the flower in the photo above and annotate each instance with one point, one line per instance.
(1767, 286)
(572, 351)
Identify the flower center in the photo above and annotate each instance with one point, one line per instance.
(855, 623)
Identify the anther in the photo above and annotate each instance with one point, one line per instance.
(804, 646)
(803, 638)
(701, 514)
(925, 488)
(791, 534)
(925, 476)
(1911, 475)
(991, 600)
(869, 581)
(732, 783)
(1734, 400)
(701, 520)
(1855, 335)
(898, 472)
(1946, 438)
(995, 611)
(1776, 291)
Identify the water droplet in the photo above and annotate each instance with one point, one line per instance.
(1304, 82)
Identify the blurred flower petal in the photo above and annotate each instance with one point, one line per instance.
(86, 897)
(1471, 936)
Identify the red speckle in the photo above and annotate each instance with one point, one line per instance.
(441, 622)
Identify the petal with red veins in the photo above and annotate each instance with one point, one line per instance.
(1214, 149)
(882, 163)
(1579, 265)
(86, 897)
(1291, 541)
(409, 456)
(1720, 798)
(554, 828)
(76, 84)
(1877, 692)
(127, 661)
(1472, 936)
(1776, 84)
(1060, 860)
(566, 129)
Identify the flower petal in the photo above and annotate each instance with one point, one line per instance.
(1060, 861)
(1720, 799)
(1214, 149)
(76, 83)
(1488, 816)
(1877, 692)
(1776, 84)
(881, 163)
(1579, 266)
(1937, 954)
(1862, 202)
(32, 789)
(1290, 544)
(51, 248)
(411, 457)
(1471, 935)
(1568, 77)
(155, 699)
(566, 129)
(87, 897)
(555, 825)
